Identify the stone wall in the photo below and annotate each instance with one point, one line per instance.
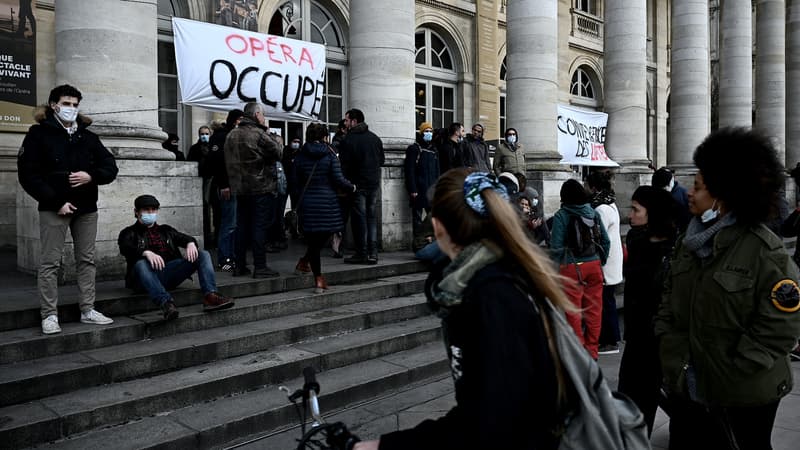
(175, 184)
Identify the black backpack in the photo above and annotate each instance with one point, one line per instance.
(583, 236)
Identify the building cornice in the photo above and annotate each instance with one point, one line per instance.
(448, 7)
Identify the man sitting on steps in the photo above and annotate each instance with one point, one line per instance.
(155, 264)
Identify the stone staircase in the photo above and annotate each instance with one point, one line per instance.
(208, 379)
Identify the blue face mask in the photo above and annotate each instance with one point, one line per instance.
(710, 214)
(204, 138)
(148, 218)
(427, 136)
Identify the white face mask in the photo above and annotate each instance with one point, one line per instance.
(294, 145)
(534, 202)
(67, 113)
(710, 214)
(204, 138)
(511, 139)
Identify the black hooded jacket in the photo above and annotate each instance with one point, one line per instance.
(49, 154)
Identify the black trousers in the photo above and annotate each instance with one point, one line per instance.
(315, 243)
(692, 425)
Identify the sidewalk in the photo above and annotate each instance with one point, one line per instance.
(434, 398)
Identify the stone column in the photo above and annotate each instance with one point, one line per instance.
(771, 71)
(690, 104)
(532, 92)
(382, 85)
(107, 49)
(792, 82)
(113, 62)
(625, 96)
(736, 63)
(625, 74)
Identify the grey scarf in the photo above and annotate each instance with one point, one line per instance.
(448, 292)
(700, 239)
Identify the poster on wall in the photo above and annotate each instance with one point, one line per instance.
(17, 65)
(582, 137)
(221, 68)
(242, 14)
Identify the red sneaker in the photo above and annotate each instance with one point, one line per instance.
(213, 301)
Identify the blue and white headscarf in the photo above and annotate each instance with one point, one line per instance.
(474, 184)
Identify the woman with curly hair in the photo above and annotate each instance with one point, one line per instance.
(507, 387)
(730, 309)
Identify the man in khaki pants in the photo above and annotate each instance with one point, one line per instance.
(60, 164)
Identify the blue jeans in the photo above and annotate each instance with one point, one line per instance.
(157, 282)
(365, 221)
(254, 215)
(227, 228)
(430, 252)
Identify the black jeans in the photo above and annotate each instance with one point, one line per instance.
(254, 215)
(692, 425)
(609, 327)
(315, 242)
(365, 222)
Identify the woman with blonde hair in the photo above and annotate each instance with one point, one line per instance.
(489, 296)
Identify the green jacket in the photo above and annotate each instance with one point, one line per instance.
(734, 318)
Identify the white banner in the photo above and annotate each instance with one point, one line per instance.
(582, 137)
(221, 68)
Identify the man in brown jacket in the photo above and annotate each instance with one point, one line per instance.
(250, 157)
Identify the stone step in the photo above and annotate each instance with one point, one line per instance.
(39, 378)
(112, 299)
(28, 343)
(213, 424)
(64, 415)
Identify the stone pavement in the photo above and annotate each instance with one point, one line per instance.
(434, 398)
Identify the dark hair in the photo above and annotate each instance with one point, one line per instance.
(65, 90)
(522, 180)
(233, 116)
(741, 169)
(316, 132)
(455, 126)
(573, 193)
(202, 127)
(341, 125)
(600, 180)
(662, 210)
(662, 177)
(501, 227)
(355, 114)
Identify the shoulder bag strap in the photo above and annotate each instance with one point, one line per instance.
(308, 180)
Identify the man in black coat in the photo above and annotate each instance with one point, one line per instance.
(361, 155)
(60, 164)
(227, 202)
(421, 171)
(199, 152)
(155, 264)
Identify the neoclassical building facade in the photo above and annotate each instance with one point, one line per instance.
(666, 72)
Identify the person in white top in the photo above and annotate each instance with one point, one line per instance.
(603, 200)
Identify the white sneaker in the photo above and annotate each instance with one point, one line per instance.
(50, 325)
(95, 317)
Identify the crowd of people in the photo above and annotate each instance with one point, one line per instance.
(711, 300)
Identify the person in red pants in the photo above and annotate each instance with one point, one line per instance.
(579, 244)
